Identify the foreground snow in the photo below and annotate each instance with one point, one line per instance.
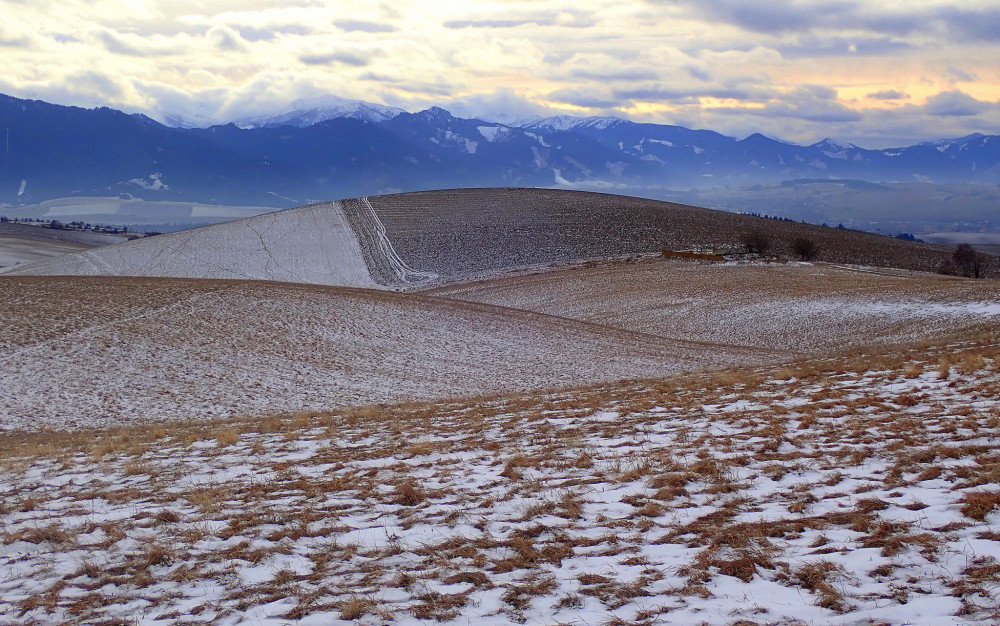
(846, 491)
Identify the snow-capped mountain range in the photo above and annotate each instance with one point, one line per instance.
(304, 113)
(345, 148)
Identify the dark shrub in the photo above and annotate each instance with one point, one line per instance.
(805, 248)
(756, 242)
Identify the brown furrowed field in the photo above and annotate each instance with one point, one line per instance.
(464, 233)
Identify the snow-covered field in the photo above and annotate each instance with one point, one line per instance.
(20, 250)
(97, 351)
(851, 490)
(77, 352)
(801, 308)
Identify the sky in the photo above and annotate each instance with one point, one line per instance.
(877, 73)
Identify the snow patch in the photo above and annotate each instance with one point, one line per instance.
(467, 144)
(494, 133)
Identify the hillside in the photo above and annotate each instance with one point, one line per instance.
(107, 350)
(812, 309)
(420, 239)
(465, 233)
(81, 352)
(22, 243)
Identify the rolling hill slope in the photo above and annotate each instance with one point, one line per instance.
(97, 351)
(419, 239)
(809, 309)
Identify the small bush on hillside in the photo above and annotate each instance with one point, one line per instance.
(805, 248)
(756, 242)
(966, 260)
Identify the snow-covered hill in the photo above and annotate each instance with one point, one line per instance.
(313, 244)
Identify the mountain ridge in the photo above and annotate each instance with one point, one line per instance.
(311, 155)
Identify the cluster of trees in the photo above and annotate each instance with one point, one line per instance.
(60, 225)
(772, 217)
(57, 225)
(757, 242)
(965, 261)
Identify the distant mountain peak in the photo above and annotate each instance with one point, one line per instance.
(437, 112)
(832, 145)
(310, 112)
(568, 122)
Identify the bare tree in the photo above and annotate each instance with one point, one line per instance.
(756, 242)
(805, 248)
(967, 260)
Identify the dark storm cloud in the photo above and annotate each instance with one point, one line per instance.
(354, 58)
(811, 103)
(811, 47)
(889, 94)
(955, 104)
(364, 26)
(584, 98)
(783, 16)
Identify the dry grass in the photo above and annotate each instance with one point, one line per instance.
(515, 490)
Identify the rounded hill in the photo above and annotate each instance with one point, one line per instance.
(432, 238)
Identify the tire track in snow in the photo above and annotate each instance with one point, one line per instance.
(404, 273)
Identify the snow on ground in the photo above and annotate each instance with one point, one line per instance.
(312, 244)
(19, 250)
(801, 307)
(851, 490)
(78, 351)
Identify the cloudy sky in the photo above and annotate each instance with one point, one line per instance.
(879, 73)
